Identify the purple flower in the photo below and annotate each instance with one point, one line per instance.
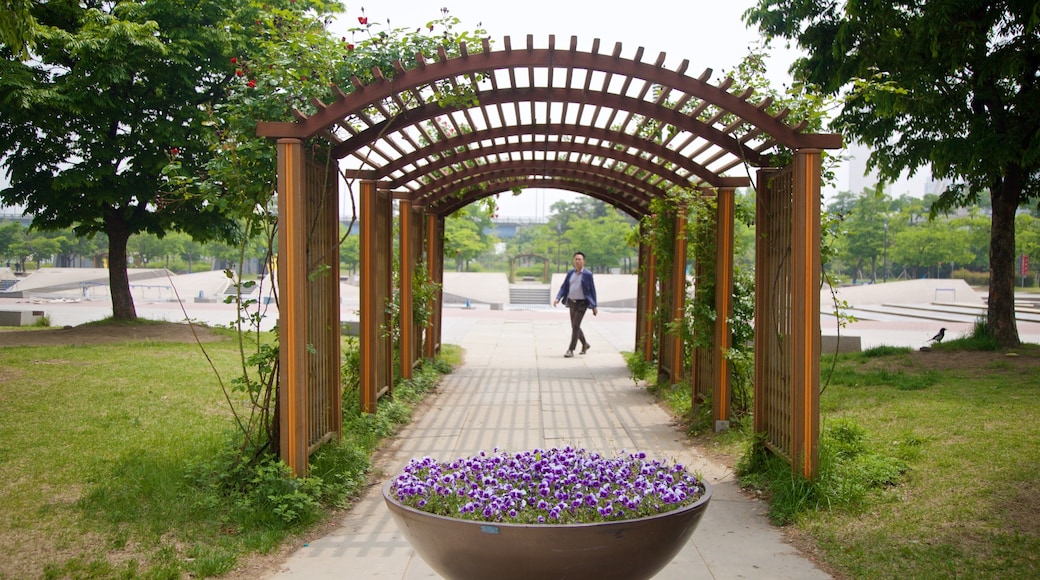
(570, 485)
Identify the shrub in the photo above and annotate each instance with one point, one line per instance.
(848, 471)
(972, 278)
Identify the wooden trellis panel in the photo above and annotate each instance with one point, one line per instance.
(308, 281)
(702, 373)
(787, 319)
(410, 228)
(725, 220)
(376, 223)
(324, 400)
(711, 370)
(645, 293)
(673, 290)
(773, 221)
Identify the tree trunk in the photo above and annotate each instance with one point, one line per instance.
(1000, 315)
(118, 279)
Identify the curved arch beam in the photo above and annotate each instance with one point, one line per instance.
(427, 111)
(626, 158)
(480, 189)
(592, 190)
(480, 184)
(440, 148)
(530, 58)
(578, 171)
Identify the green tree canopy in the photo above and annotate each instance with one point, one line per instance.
(949, 86)
(114, 92)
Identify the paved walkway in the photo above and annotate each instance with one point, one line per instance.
(515, 390)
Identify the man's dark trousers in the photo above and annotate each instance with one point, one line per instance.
(578, 308)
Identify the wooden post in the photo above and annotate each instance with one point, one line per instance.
(435, 270)
(407, 269)
(650, 305)
(642, 290)
(292, 289)
(805, 306)
(724, 223)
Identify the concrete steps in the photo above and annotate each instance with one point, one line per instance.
(529, 294)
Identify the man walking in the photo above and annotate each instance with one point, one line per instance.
(578, 293)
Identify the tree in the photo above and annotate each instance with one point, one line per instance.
(950, 85)
(931, 245)
(603, 240)
(112, 93)
(350, 251)
(464, 235)
(17, 26)
(866, 223)
(10, 232)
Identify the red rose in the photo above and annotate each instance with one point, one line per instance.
(362, 19)
(175, 151)
(239, 73)
(251, 83)
(350, 46)
(234, 60)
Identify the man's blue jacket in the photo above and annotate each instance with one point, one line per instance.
(588, 287)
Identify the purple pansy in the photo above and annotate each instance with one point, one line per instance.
(570, 486)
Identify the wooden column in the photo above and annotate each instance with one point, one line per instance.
(406, 261)
(292, 306)
(725, 219)
(375, 209)
(651, 304)
(805, 306)
(434, 234)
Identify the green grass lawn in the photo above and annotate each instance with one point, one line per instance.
(120, 460)
(965, 423)
(95, 444)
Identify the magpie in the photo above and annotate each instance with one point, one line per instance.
(939, 336)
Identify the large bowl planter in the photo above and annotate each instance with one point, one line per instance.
(626, 549)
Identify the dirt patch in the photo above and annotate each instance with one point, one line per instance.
(106, 334)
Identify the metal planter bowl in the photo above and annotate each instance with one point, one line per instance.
(625, 550)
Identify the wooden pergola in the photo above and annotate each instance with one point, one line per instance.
(454, 130)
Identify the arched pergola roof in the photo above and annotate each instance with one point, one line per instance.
(449, 132)
(615, 128)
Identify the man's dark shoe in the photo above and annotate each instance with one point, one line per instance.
(585, 348)
(568, 354)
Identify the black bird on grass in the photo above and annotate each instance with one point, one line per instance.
(939, 336)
